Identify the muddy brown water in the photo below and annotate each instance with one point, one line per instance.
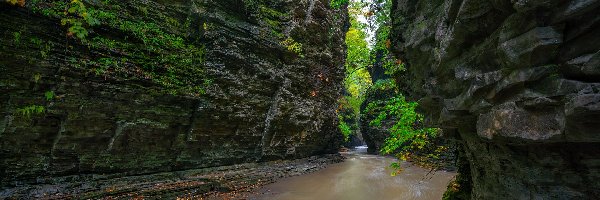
(360, 177)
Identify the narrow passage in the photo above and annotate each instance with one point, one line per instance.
(361, 177)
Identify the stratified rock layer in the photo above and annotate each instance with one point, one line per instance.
(266, 101)
(517, 81)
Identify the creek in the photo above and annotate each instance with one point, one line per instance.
(361, 177)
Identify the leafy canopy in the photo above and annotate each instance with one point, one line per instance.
(358, 79)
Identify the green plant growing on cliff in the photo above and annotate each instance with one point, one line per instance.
(37, 77)
(78, 18)
(344, 128)
(337, 3)
(379, 18)
(49, 95)
(407, 134)
(17, 38)
(30, 110)
(149, 47)
(293, 46)
(44, 48)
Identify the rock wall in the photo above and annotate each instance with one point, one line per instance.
(518, 82)
(116, 103)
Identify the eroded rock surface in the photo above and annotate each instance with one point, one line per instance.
(267, 101)
(517, 82)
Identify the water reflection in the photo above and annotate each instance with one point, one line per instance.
(361, 177)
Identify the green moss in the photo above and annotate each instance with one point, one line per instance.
(146, 47)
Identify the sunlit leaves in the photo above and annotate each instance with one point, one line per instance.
(358, 52)
(358, 79)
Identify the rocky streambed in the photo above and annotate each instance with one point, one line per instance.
(227, 182)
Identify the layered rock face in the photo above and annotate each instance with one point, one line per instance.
(272, 71)
(517, 82)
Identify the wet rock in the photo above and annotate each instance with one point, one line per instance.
(519, 90)
(586, 67)
(196, 183)
(528, 5)
(536, 47)
(508, 120)
(583, 114)
(263, 102)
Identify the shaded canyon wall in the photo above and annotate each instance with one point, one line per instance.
(517, 82)
(105, 113)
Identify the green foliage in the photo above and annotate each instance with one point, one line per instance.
(379, 16)
(358, 79)
(37, 77)
(17, 37)
(345, 128)
(337, 3)
(293, 46)
(357, 48)
(36, 41)
(407, 134)
(30, 110)
(49, 95)
(396, 167)
(384, 84)
(265, 14)
(149, 48)
(77, 18)
(398, 116)
(45, 48)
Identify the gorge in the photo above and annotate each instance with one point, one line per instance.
(187, 98)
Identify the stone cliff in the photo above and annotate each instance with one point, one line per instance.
(160, 86)
(517, 82)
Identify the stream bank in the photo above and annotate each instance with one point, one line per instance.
(226, 182)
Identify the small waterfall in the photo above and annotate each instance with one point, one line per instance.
(120, 126)
(267, 134)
